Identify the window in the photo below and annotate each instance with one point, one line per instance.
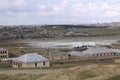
(5, 51)
(114, 53)
(43, 63)
(35, 64)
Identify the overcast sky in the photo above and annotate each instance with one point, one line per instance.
(14, 12)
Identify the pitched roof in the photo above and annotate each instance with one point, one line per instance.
(30, 57)
(76, 53)
(99, 50)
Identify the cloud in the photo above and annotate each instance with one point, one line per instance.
(42, 6)
(19, 4)
(59, 11)
(111, 14)
(60, 6)
(4, 4)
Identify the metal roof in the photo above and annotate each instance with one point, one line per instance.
(30, 57)
(96, 50)
(1, 49)
(99, 50)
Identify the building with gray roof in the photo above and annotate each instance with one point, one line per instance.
(96, 52)
(31, 60)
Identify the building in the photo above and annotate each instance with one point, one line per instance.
(96, 52)
(3, 53)
(58, 55)
(31, 60)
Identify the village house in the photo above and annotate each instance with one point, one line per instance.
(3, 53)
(94, 52)
(31, 60)
(58, 55)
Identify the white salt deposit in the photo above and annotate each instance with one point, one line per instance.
(66, 44)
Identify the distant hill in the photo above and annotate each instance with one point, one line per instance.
(108, 25)
(90, 26)
(78, 26)
(71, 26)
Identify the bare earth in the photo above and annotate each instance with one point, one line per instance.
(15, 72)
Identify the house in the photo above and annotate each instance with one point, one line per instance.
(3, 53)
(31, 60)
(58, 55)
(96, 52)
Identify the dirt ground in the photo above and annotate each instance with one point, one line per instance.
(35, 72)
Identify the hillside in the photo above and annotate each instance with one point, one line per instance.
(88, 72)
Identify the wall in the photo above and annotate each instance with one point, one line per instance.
(104, 54)
(59, 57)
(3, 54)
(32, 64)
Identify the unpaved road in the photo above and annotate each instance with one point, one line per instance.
(14, 72)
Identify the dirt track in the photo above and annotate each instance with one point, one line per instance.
(13, 72)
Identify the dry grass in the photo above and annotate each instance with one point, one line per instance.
(20, 77)
(88, 72)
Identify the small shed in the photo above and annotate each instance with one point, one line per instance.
(58, 55)
(31, 60)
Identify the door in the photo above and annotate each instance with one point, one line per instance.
(35, 64)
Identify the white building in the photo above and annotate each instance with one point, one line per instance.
(31, 60)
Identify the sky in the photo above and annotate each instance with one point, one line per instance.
(27, 12)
